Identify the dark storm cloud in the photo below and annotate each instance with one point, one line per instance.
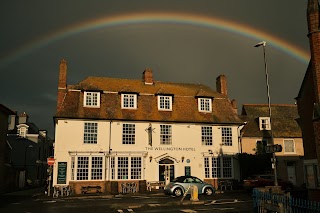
(176, 53)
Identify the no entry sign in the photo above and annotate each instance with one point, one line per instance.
(50, 161)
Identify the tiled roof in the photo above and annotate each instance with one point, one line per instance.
(184, 108)
(284, 120)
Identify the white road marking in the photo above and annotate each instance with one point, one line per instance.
(188, 210)
(49, 201)
(153, 204)
(120, 210)
(130, 210)
(223, 208)
(140, 197)
(225, 201)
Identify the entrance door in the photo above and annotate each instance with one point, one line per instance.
(291, 170)
(166, 170)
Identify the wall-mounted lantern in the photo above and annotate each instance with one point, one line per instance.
(150, 158)
(182, 159)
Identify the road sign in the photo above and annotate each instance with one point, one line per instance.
(273, 148)
(50, 161)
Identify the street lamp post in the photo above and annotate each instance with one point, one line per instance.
(274, 163)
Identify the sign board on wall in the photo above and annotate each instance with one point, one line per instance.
(62, 173)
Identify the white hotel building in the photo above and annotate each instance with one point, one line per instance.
(110, 131)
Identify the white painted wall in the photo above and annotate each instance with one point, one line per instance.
(186, 142)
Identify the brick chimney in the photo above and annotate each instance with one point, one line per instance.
(62, 84)
(314, 40)
(221, 84)
(147, 76)
(234, 106)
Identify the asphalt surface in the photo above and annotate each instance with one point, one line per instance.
(34, 200)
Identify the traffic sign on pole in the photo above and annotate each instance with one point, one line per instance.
(50, 161)
(273, 148)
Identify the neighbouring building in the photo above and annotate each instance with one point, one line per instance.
(7, 172)
(256, 135)
(112, 131)
(308, 101)
(30, 150)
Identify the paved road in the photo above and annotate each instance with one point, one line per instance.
(148, 203)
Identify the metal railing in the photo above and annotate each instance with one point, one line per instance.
(62, 191)
(128, 187)
(284, 203)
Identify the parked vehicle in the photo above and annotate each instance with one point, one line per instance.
(183, 183)
(265, 180)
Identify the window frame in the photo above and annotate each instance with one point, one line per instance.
(226, 139)
(264, 121)
(92, 103)
(126, 167)
(165, 134)
(128, 134)
(218, 167)
(202, 107)
(90, 137)
(130, 98)
(285, 147)
(162, 102)
(83, 168)
(205, 135)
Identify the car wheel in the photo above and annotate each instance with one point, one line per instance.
(177, 192)
(208, 191)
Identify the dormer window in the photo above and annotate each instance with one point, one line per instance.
(129, 101)
(205, 104)
(165, 102)
(91, 99)
(22, 130)
(264, 123)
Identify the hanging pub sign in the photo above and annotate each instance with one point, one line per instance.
(62, 173)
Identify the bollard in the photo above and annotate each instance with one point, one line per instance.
(194, 193)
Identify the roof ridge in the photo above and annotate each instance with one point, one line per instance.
(270, 104)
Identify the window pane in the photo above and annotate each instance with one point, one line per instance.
(288, 146)
(128, 134)
(96, 170)
(91, 98)
(123, 167)
(129, 101)
(165, 102)
(205, 104)
(113, 175)
(90, 133)
(165, 135)
(206, 168)
(226, 136)
(83, 168)
(206, 135)
(216, 168)
(135, 167)
(72, 168)
(227, 167)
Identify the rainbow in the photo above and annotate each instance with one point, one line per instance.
(160, 17)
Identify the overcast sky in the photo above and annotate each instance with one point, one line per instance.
(182, 41)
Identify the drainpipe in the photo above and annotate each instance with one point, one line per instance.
(240, 136)
(109, 151)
